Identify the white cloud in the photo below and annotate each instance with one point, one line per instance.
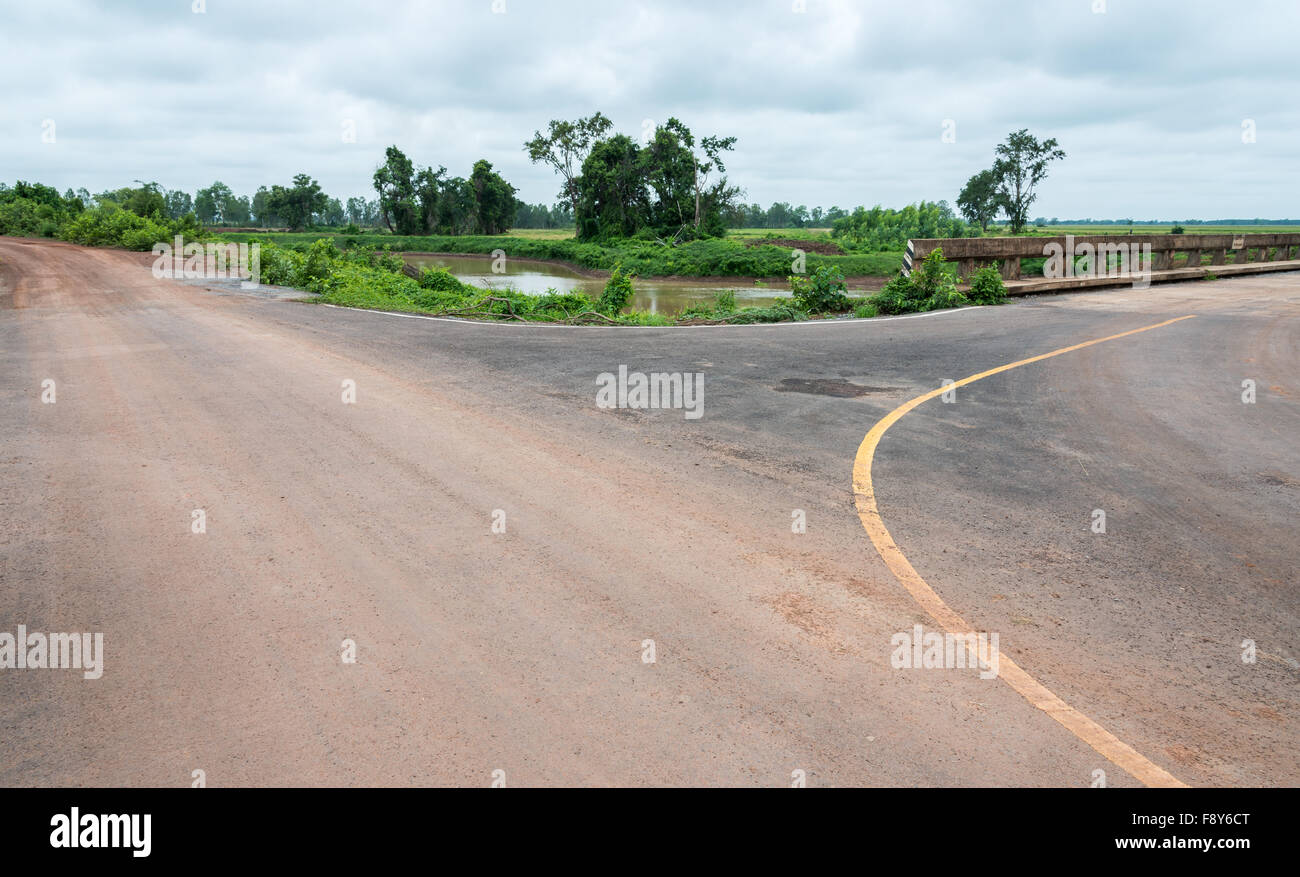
(842, 104)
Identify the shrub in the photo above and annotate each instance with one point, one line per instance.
(725, 302)
(931, 287)
(986, 287)
(110, 226)
(278, 266)
(318, 263)
(896, 297)
(865, 310)
(384, 257)
(569, 303)
(946, 298)
(617, 294)
(823, 292)
(439, 280)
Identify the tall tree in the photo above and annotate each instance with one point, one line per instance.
(260, 208)
(565, 148)
(614, 202)
(295, 206)
(1021, 165)
(147, 200)
(208, 202)
(495, 204)
(428, 187)
(979, 199)
(179, 203)
(395, 183)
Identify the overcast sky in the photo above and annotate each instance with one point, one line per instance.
(844, 103)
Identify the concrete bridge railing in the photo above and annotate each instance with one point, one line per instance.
(1163, 249)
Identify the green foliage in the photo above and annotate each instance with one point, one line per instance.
(416, 201)
(978, 200)
(617, 293)
(823, 292)
(714, 257)
(495, 204)
(439, 280)
(109, 225)
(986, 287)
(897, 297)
(218, 205)
(364, 278)
(931, 287)
(394, 181)
(296, 205)
(663, 187)
(784, 216)
(278, 266)
(1020, 166)
(612, 199)
(865, 310)
(881, 228)
(318, 262)
(565, 148)
(34, 210)
(946, 298)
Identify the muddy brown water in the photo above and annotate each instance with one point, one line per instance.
(656, 295)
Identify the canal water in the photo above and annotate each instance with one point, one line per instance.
(656, 295)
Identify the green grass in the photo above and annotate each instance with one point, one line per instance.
(542, 234)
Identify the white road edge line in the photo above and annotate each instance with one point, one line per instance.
(515, 325)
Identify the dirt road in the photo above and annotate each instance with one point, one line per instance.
(525, 651)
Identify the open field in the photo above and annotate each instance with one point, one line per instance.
(542, 234)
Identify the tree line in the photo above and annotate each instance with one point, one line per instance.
(670, 185)
(783, 215)
(301, 204)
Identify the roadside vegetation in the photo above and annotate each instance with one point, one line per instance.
(133, 219)
(364, 277)
(660, 205)
(716, 257)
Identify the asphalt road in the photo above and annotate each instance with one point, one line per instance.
(525, 651)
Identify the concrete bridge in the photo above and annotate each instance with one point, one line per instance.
(1076, 262)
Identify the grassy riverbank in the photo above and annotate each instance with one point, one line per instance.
(363, 277)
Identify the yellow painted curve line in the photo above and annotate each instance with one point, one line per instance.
(1106, 743)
